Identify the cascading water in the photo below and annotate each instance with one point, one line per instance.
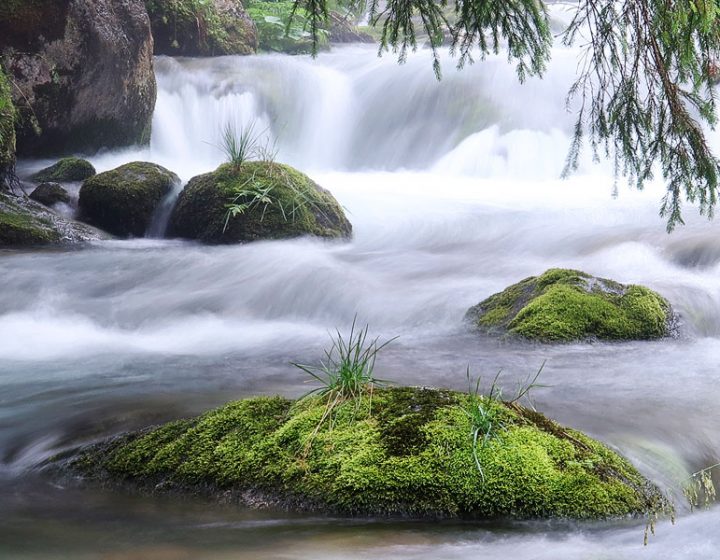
(453, 191)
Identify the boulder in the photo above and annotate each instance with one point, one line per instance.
(565, 305)
(343, 31)
(123, 201)
(49, 194)
(65, 170)
(272, 201)
(25, 223)
(201, 28)
(404, 451)
(82, 71)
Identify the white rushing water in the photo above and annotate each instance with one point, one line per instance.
(453, 190)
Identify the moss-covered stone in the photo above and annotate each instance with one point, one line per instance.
(123, 201)
(405, 451)
(280, 31)
(25, 223)
(66, 169)
(7, 128)
(201, 27)
(566, 305)
(50, 194)
(280, 201)
(22, 229)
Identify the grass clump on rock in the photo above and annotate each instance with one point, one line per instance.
(566, 305)
(67, 169)
(123, 201)
(405, 451)
(256, 200)
(357, 447)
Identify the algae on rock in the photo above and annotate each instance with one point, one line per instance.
(276, 200)
(405, 451)
(566, 305)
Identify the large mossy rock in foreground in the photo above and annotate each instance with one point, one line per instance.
(566, 305)
(25, 223)
(66, 169)
(124, 200)
(406, 451)
(279, 202)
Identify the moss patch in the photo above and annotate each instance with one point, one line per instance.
(405, 451)
(21, 228)
(7, 128)
(566, 305)
(122, 201)
(295, 206)
(66, 169)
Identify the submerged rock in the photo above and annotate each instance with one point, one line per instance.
(82, 72)
(49, 194)
(67, 169)
(208, 28)
(565, 305)
(405, 451)
(123, 201)
(25, 223)
(276, 201)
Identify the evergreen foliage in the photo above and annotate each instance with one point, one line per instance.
(646, 75)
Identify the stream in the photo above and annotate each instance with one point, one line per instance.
(454, 193)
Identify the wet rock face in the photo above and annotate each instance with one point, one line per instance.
(25, 223)
(201, 28)
(82, 72)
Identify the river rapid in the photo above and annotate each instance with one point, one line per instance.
(454, 193)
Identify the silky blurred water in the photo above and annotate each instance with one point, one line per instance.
(453, 190)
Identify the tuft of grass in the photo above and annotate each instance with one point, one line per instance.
(252, 195)
(347, 372)
(240, 146)
(482, 410)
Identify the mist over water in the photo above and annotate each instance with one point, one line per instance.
(453, 190)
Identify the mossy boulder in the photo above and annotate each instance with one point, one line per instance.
(123, 201)
(66, 169)
(82, 73)
(50, 194)
(405, 451)
(567, 305)
(201, 27)
(7, 129)
(275, 201)
(25, 223)
(343, 30)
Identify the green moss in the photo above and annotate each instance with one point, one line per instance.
(295, 206)
(564, 305)
(201, 28)
(405, 451)
(123, 201)
(66, 169)
(278, 32)
(7, 128)
(20, 228)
